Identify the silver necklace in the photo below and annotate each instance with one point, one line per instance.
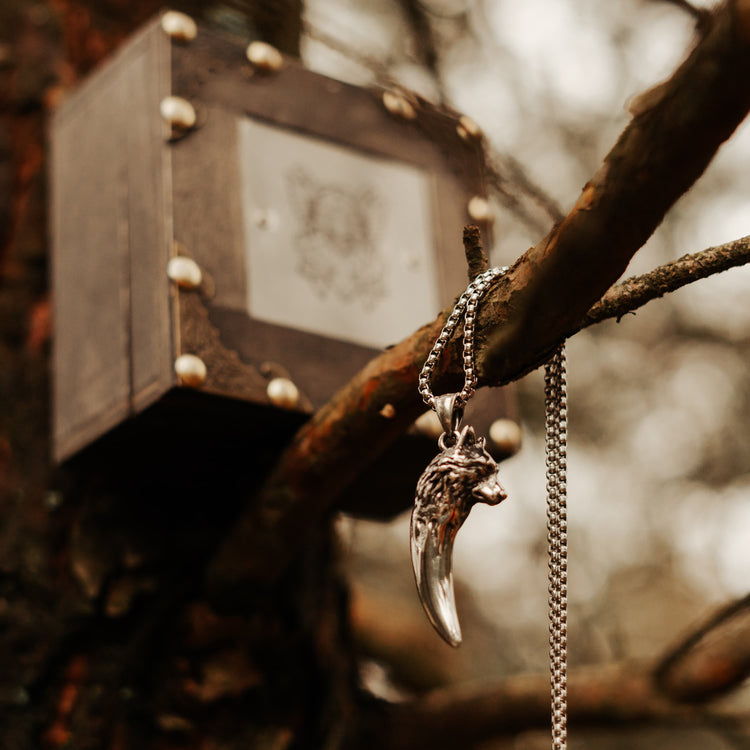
(464, 473)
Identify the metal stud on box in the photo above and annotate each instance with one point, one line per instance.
(191, 370)
(282, 392)
(185, 272)
(397, 104)
(178, 113)
(264, 56)
(479, 209)
(505, 435)
(467, 129)
(179, 26)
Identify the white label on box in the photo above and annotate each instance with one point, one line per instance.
(338, 242)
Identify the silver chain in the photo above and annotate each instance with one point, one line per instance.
(556, 410)
(468, 303)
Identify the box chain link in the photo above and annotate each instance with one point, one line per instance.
(556, 433)
(468, 303)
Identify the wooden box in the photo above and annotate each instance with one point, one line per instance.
(325, 220)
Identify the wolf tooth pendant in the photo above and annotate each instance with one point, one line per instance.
(460, 476)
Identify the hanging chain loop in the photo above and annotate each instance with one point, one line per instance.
(467, 303)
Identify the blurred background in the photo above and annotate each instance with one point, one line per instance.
(659, 403)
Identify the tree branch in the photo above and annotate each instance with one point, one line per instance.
(544, 298)
(464, 717)
(424, 38)
(666, 147)
(638, 290)
(707, 663)
(712, 660)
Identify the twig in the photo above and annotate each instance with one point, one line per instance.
(545, 201)
(506, 175)
(638, 290)
(424, 38)
(506, 193)
(379, 70)
(542, 299)
(476, 257)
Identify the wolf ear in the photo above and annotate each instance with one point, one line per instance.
(467, 434)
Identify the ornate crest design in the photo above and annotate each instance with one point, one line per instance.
(336, 238)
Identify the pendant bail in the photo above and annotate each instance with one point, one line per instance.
(448, 413)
